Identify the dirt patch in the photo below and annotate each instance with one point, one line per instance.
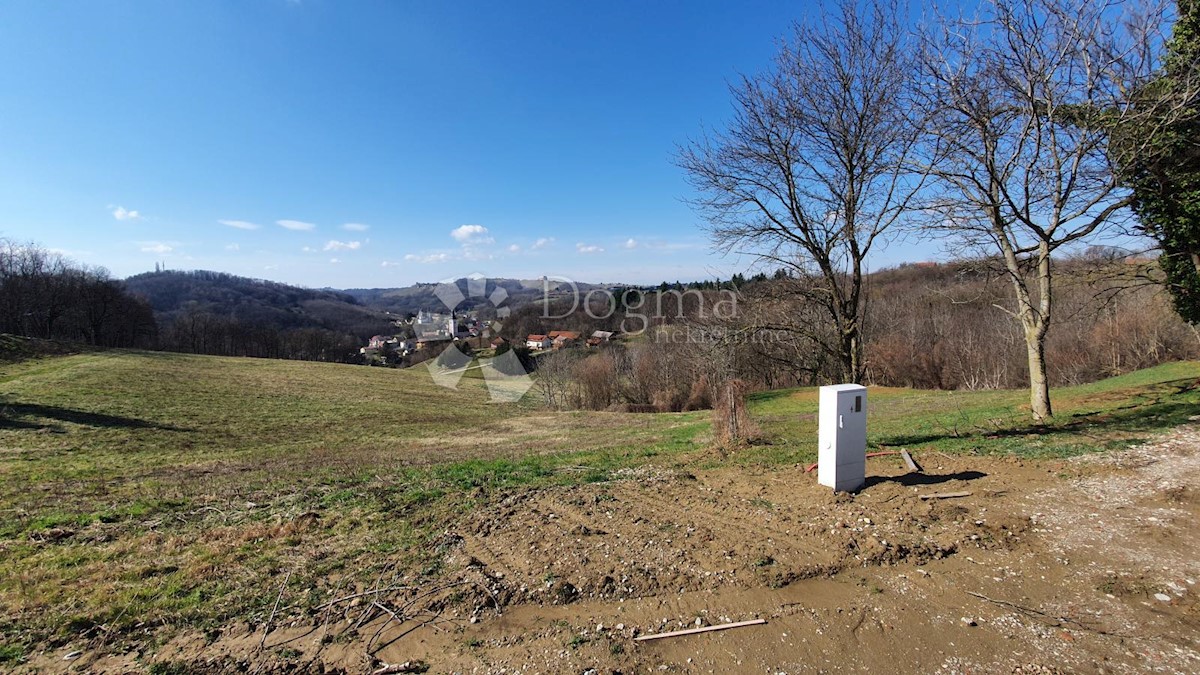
(1086, 565)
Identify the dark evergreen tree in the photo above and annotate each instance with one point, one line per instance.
(1160, 160)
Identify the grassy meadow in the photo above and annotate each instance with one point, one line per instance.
(143, 492)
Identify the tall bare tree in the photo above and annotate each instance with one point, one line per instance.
(812, 171)
(1022, 100)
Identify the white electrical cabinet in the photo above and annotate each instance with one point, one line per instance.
(842, 437)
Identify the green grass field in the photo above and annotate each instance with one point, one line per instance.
(141, 492)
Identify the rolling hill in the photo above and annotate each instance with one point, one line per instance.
(255, 302)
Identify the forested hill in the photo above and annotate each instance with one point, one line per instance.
(410, 299)
(266, 304)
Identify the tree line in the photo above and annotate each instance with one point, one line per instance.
(45, 295)
(929, 325)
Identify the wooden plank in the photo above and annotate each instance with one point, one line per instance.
(946, 495)
(912, 466)
(706, 629)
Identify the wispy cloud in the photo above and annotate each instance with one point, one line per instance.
(390, 263)
(471, 234)
(308, 249)
(542, 243)
(671, 246)
(233, 247)
(122, 213)
(156, 247)
(588, 248)
(334, 261)
(335, 245)
(296, 225)
(630, 243)
(69, 254)
(428, 259)
(239, 224)
(355, 227)
(514, 248)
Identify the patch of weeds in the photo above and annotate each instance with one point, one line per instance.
(764, 561)
(616, 649)
(169, 668)
(762, 503)
(578, 641)
(1126, 586)
(11, 654)
(474, 643)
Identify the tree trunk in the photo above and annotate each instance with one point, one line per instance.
(1039, 384)
(854, 358)
(1037, 323)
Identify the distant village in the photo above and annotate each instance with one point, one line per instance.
(429, 333)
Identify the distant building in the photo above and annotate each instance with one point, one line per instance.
(538, 342)
(599, 337)
(563, 338)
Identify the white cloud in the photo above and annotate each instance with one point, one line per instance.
(543, 243)
(233, 247)
(513, 248)
(308, 249)
(121, 213)
(239, 224)
(389, 263)
(471, 234)
(156, 247)
(428, 259)
(297, 225)
(335, 245)
(355, 227)
(588, 248)
(334, 261)
(271, 267)
(630, 243)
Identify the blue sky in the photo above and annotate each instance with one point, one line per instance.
(371, 144)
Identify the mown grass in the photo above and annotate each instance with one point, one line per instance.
(143, 492)
(1110, 413)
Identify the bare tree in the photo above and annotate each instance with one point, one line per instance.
(555, 379)
(812, 170)
(1021, 101)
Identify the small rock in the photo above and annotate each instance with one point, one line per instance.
(1162, 597)
(72, 656)
(968, 621)
(620, 626)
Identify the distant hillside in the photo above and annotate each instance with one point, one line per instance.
(256, 302)
(410, 299)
